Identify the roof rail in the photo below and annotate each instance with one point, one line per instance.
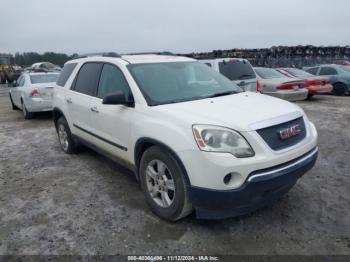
(104, 54)
(153, 53)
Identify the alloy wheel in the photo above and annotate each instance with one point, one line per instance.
(160, 183)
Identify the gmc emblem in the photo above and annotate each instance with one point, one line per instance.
(289, 132)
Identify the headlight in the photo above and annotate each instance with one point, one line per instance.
(220, 139)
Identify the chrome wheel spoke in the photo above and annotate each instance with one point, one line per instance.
(150, 172)
(165, 199)
(160, 183)
(161, 167)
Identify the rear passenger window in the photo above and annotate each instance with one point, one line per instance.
(65, 74)
(112, 80)
(326, 71)
(87, 79)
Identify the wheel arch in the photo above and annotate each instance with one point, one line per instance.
(56, 114)
(142, 144)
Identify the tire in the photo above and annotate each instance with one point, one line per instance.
(310, 96)
(65, 137)
(13, 105)
(26, 114)
(2, 78)
(163, 184)
(339, 89)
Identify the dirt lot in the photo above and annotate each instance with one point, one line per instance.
(53, 203)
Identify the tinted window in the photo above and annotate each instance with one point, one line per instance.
(328, 71)
(112, 80)
(268, 73)
(87, 78)
(236, 70)
(173, 82)
(65, 74)
(312, 71)
(43, 78)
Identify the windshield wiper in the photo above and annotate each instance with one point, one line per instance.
(222, 94)
(244, 76)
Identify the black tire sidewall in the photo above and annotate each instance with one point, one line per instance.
(71, 144)
(172, 212)
(341, 88)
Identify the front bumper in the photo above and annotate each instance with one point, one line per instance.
(261, 188)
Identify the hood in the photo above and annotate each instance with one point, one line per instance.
(243, 112)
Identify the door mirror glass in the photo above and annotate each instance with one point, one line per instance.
(117, 98)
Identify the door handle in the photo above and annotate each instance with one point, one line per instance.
(69, 101)
(94, 109)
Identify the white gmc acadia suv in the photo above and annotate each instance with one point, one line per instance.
(194, 140)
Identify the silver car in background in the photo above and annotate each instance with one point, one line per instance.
(33, 92)
(238, 70)
(273, 83)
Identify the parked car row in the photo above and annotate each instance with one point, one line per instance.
(194, 140)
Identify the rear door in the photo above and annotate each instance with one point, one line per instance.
(79, 98)
(111, 123)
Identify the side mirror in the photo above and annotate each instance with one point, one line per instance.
(117, 98)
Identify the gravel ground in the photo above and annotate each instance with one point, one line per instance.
(53, 203)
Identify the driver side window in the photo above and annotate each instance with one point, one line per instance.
(111, 81)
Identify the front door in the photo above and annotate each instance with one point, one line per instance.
(111, 123)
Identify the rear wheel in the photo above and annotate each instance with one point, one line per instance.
(26, 114)
(65, 137)
(310, 96)
(339, 89)
(163, 184)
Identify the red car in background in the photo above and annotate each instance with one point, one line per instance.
(315, 84)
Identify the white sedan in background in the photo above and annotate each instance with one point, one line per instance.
(33, 92)
(273, 83)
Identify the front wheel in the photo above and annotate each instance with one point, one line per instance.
(65, 138)
(163, 184)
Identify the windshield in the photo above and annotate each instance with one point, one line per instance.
(268, 73)
(44, 78)
(164, 83)
(236, 70)
(297, 72)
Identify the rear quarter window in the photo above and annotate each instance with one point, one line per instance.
(65, 74)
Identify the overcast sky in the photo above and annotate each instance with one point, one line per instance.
(80, 26)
